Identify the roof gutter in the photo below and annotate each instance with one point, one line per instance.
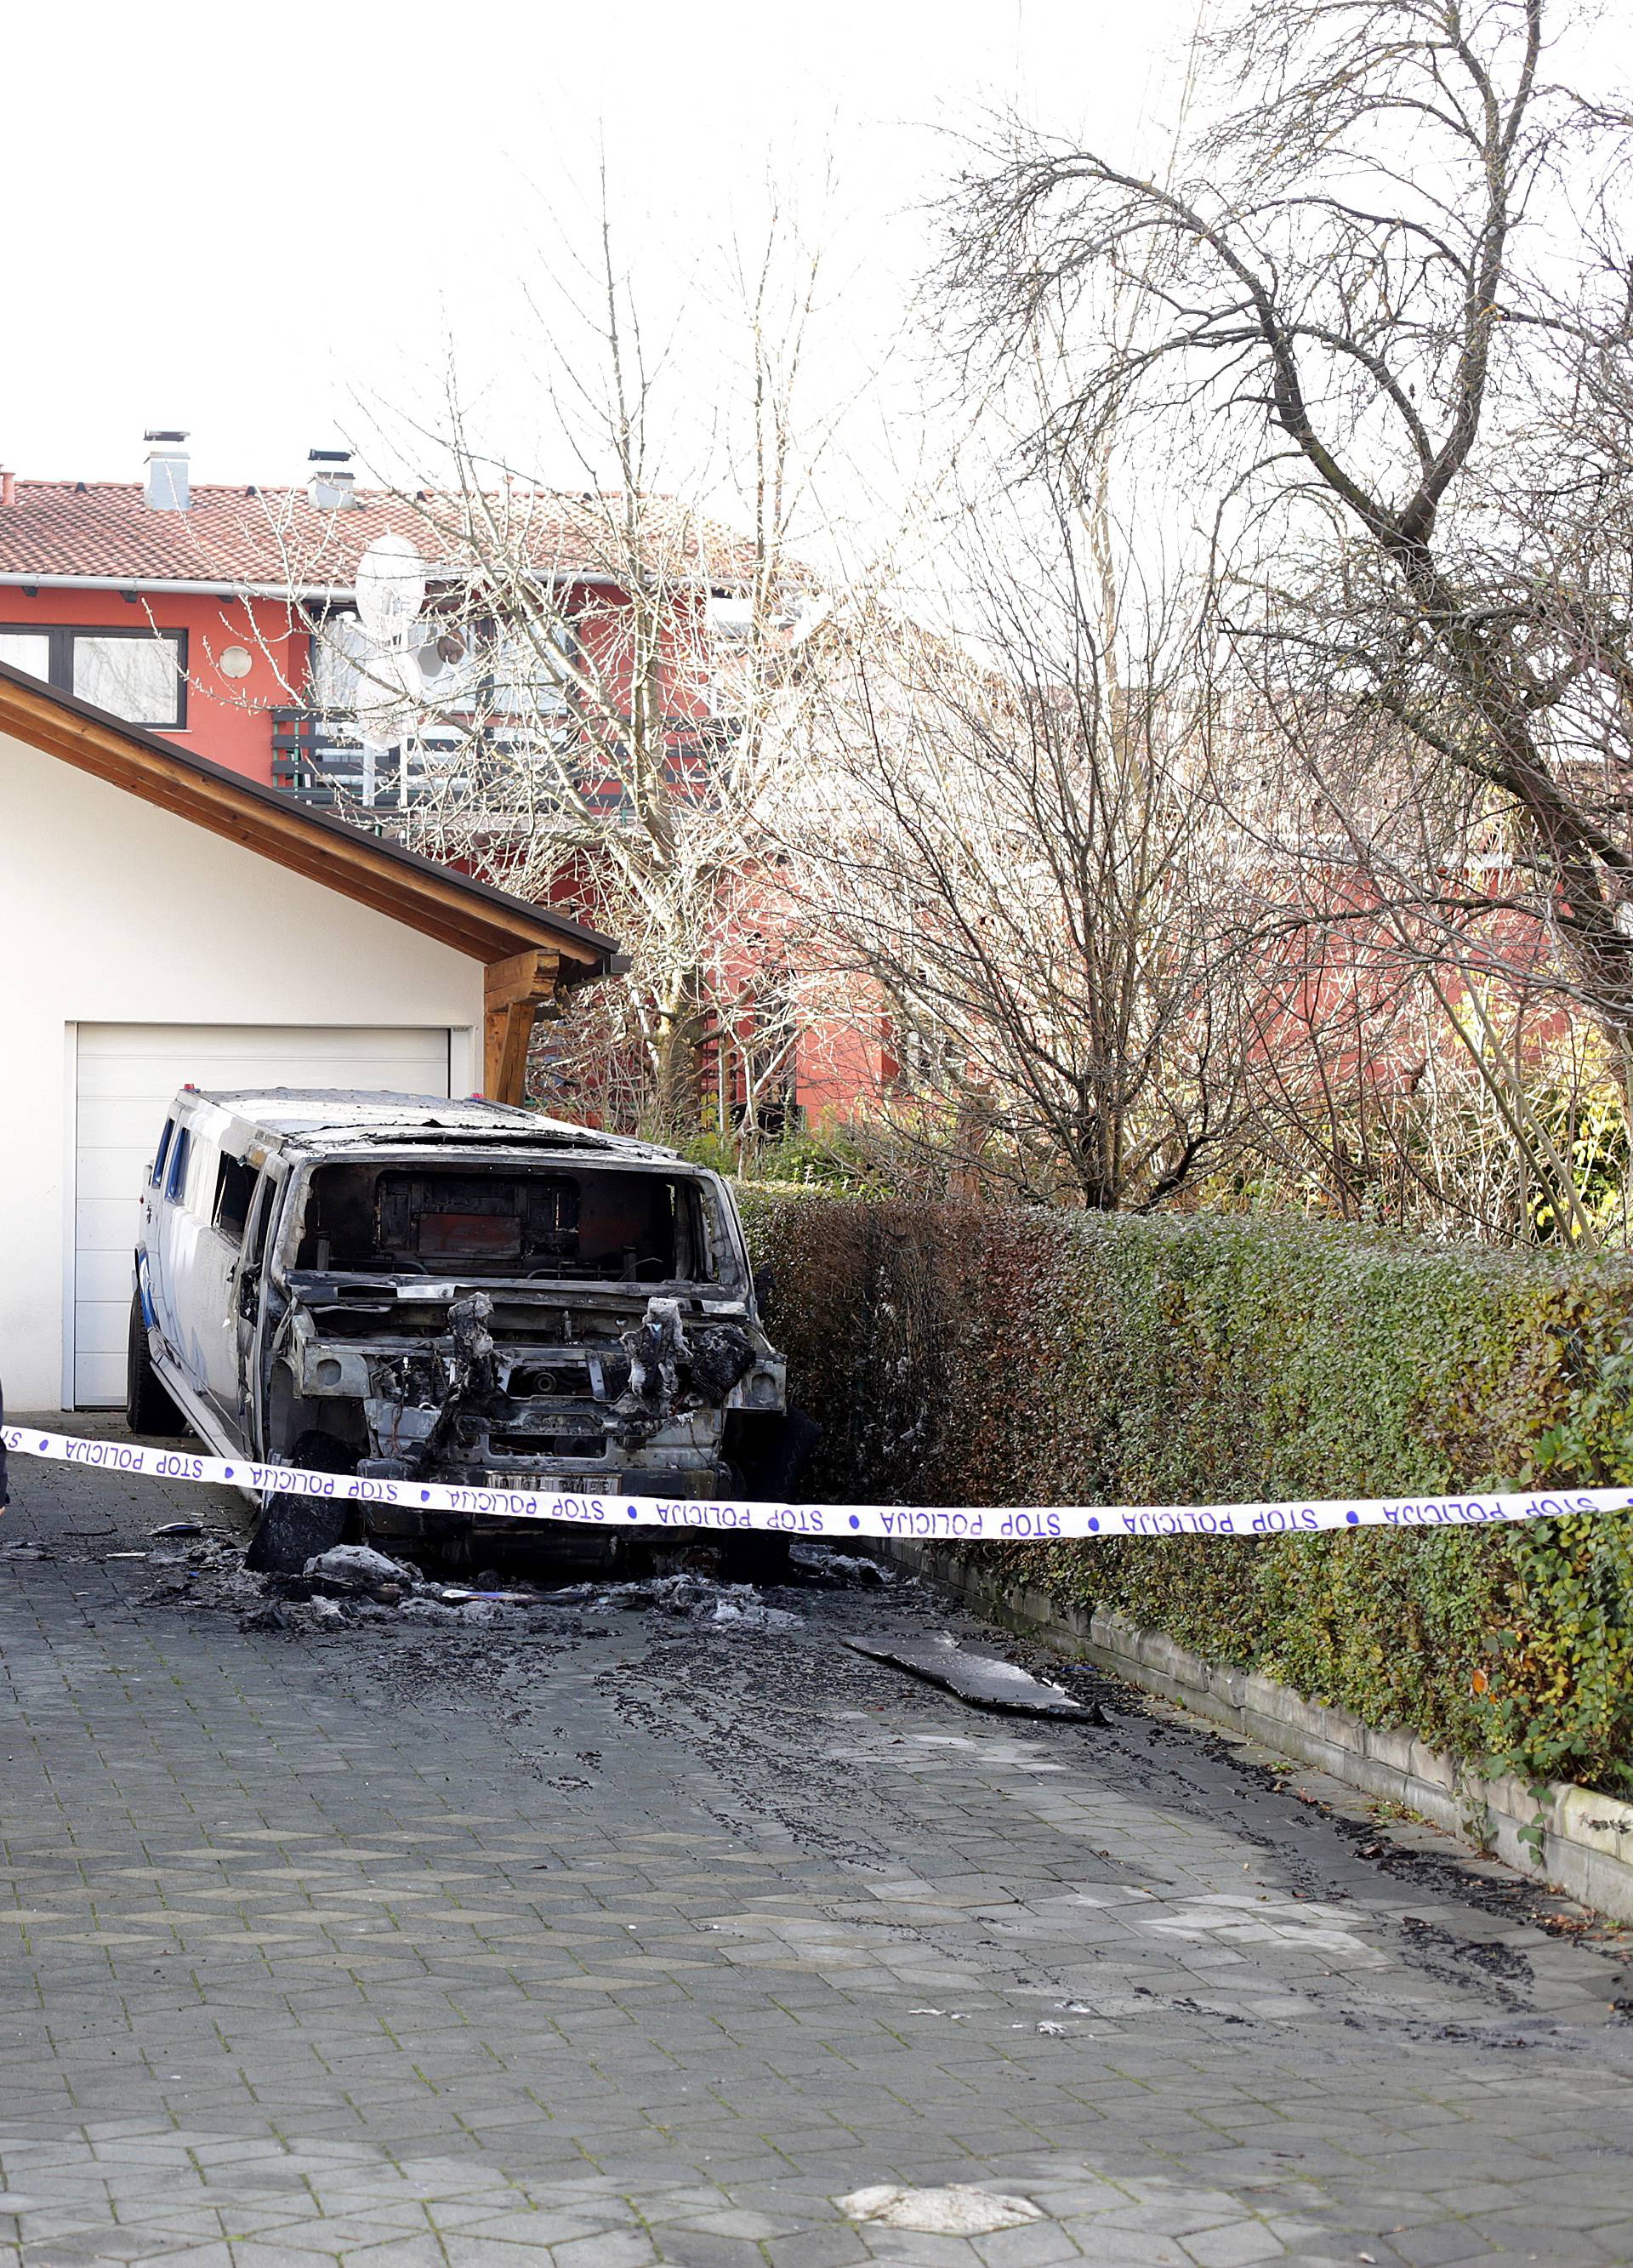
(323, 594)
(331, 593)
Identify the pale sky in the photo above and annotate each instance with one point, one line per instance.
(274, 230)
(255, 224)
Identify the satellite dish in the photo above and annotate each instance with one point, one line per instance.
(390, 589)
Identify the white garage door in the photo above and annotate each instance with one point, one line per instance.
(127, 1074)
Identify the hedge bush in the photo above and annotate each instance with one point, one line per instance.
(959, 1354)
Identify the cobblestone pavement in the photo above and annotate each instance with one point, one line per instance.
(615, 1938)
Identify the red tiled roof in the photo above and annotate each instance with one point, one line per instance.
(276, 537)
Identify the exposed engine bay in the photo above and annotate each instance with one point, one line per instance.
(478, 1323)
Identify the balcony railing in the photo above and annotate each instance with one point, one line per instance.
(318, 761)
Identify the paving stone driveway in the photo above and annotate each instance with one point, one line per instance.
(617, 1939)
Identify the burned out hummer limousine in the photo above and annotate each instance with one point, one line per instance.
(398, 1286)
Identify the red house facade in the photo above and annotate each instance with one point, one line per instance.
(219, 616)
(210, 613)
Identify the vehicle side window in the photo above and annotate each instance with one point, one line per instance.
(235, 1186)
(157, 1173)
(175, 1179)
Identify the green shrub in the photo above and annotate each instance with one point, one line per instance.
(827, 1159)
(959, 1354)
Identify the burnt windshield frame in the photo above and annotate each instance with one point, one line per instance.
(709, 1254)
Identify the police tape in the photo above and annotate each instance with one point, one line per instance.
(962, 1523)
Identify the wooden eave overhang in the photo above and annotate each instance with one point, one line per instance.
(438, 901)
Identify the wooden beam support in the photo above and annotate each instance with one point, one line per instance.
(518, 990)
(532, 976)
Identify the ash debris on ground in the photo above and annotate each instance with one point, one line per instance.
(353, 1585)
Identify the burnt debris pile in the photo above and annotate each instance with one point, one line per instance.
(353, 1585)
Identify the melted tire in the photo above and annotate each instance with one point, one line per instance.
(293, 1529)
(756, 1557)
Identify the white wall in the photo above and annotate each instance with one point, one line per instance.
(113, 911)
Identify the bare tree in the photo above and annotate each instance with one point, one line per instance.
(1400, 944)
(580, 706)
(1380, 301)
(1008, 841)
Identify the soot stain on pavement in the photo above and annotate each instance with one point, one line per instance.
(1085, 1968)
(1278, 1814)
(740, 1678)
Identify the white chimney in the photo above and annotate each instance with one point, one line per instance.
(329, 484)
(168, 487)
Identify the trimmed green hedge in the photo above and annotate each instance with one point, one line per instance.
(959, 1354)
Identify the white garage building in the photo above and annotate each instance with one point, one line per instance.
(163, 921)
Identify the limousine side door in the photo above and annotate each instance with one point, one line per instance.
(205, 1240)
(169, 1239)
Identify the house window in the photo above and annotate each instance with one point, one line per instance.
(524, 682)
(729, 627)
(138, 674)
(27, 650)
(340, 646)
(138, 677)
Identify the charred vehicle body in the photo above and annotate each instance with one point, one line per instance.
(406, 1288)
